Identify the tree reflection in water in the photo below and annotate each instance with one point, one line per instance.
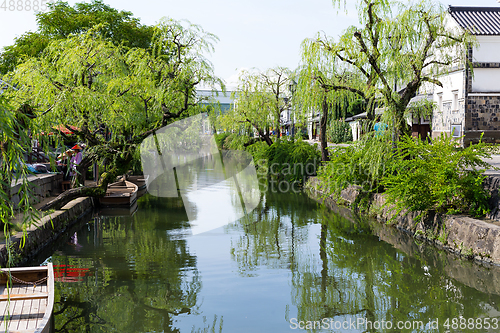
(350, 273)
(141, 274)
(143, 277)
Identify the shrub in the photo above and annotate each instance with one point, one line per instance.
(339, 131)
(438, 176)
(236, 142)
(291, 161)
(220, 138)
(363, 163)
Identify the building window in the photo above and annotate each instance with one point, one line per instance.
(454, 106)
(440, 102)
(456, 131)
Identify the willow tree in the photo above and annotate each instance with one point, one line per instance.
(276, 81)
(63, 20)
(14, 128)
(324, 87)
(260, 98)
(89, 82)
(398, 44)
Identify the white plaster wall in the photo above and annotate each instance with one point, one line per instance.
(446, 114)
(488, 49)
(486, 80)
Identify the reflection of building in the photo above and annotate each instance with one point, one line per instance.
(469, 104)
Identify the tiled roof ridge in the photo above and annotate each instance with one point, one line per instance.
(477, 20)
(473, 8)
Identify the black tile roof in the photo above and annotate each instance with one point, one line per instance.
(478, 20)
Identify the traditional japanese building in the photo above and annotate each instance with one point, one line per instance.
(468, 104)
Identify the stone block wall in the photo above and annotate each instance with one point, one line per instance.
(42, 186)
(483, 115)
(43, 232)
(458, 234)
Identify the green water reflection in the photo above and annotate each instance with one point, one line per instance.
(291, 261)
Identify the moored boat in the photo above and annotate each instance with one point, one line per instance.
(140, 181)
(26, 306)
(122, 193)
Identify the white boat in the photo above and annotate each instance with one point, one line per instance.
(26, 306)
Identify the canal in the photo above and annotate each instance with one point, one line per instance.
(288, 264)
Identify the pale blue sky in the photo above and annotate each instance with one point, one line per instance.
(253, 33)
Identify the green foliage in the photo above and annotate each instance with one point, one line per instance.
(356, 107)
(363, 163)
(339, 131)
(119, 26)
(89, 82)
(438, 176)
(15, 127)
(236, 142)
(30, 44)
(62, 20)
(417, 176)
(259, 150)
(260, 98)
(292, 161)
(220, 138)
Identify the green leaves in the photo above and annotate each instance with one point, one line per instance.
(418, 176)
(438, 177)
(260, 98)
(398, 45)
(339, 131)
(363, 163)
(292, 161)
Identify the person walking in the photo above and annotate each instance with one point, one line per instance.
(76, 160)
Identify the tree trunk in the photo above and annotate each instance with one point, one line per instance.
(67, 196)
(268, 140)
(95, 191)
(402, 127)
(322, 133)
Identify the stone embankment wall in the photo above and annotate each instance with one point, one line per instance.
(42, 186)
(43, 232)
(473, 238)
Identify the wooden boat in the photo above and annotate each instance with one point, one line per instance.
(122, 193)
(28, 303)
(140, 181)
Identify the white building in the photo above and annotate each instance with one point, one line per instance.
(468, 104)
(217, 99)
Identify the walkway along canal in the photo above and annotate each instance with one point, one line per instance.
(291, 262)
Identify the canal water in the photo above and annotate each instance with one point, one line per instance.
(290, 265)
